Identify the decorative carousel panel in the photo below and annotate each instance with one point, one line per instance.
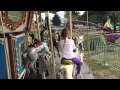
(14, 21)
(4, 60)
(18, 46)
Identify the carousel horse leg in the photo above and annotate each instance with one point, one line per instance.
(58, 50)
(54, 50)
(57, 47)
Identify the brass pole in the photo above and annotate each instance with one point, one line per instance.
(87, 19)
(88, 37)
(70, 23)
(87, 25)
(51, 45)
(87, 30)
(38, 29)
(5, 48)
(34, 25)
(27, 33)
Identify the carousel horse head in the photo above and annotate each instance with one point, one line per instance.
(75, 41)
(81, 38)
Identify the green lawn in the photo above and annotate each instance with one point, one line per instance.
(101, 71)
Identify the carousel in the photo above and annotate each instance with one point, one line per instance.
(15, 27)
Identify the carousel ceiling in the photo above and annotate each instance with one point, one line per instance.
(49, 11)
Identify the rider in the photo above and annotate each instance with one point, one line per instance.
(68, 49)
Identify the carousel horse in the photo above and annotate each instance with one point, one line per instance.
(55, 38)
(44, 56)
(79, 42)
(32, 54)
(29, 57)
(68, 69)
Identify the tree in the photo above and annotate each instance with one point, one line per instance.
(75, 15)
(56, 20)
(95, 16)
(100, 16)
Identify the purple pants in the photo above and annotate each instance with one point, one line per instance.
(78, 62)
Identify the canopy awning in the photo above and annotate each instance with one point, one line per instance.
(49, 11)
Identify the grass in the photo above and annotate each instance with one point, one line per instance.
(101, 71)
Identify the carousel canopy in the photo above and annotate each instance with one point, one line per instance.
(49, 11)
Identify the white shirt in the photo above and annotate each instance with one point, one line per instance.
(67, 50)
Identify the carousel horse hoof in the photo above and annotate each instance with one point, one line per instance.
(59, 55)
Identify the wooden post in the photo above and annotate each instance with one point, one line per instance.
(87, 19)
(87, 24)
(5, 48)
(51, 45)
(38, 29)
(70, 23)
(87, 33)
(88, 36)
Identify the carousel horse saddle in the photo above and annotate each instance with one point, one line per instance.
(66, 62)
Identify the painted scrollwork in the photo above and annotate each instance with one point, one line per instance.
(21, 50)
(13, 19)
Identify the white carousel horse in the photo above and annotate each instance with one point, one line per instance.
(68, 67)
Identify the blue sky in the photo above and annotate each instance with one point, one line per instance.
(60, 13)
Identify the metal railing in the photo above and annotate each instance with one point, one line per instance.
(107, 54)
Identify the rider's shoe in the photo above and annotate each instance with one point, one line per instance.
(78, 76)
